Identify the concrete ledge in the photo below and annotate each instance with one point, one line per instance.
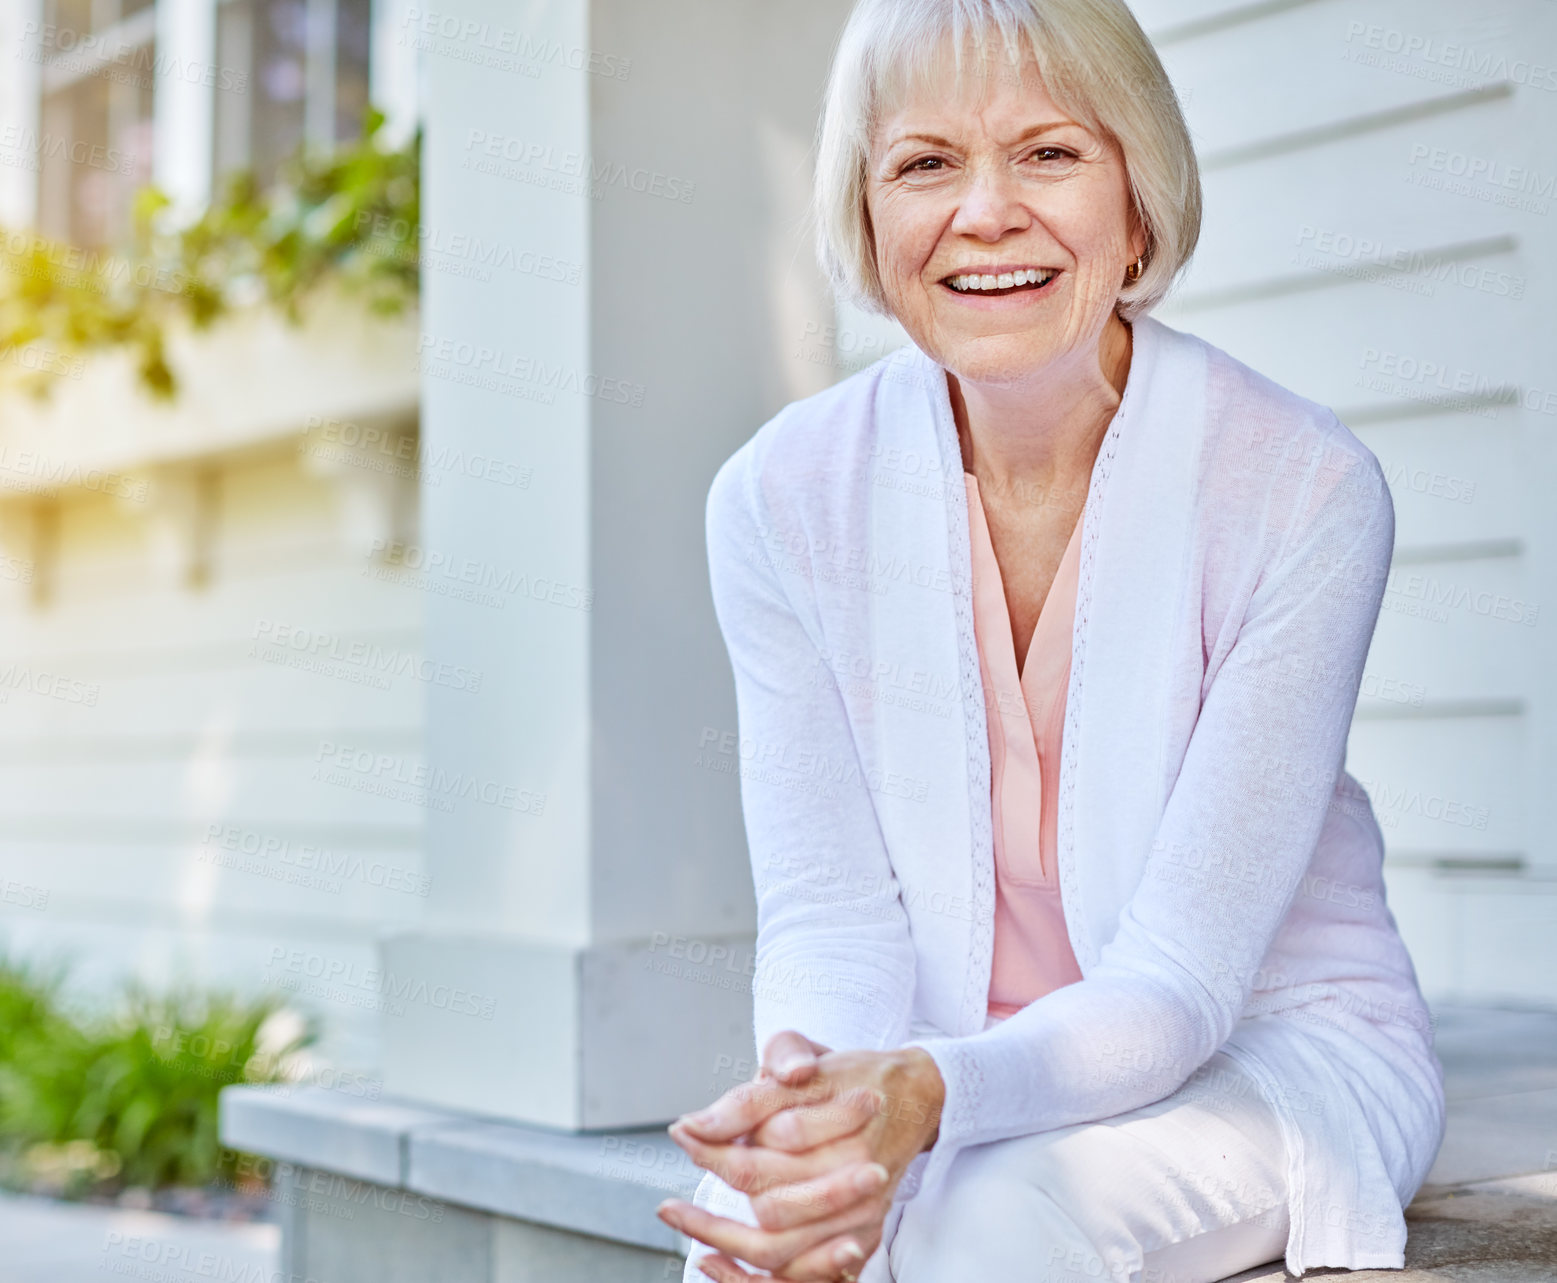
(605, 1184)
(1499, 1231)
(465, 1199)
(326, 1129)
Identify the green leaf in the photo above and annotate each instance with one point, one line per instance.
(321, 223)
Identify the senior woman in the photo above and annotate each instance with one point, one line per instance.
(1073, 957)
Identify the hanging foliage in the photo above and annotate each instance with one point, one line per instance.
(350, 218)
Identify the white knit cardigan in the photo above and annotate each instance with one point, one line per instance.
(1220, 872)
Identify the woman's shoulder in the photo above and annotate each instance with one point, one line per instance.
(1262, 437)
(811, 451)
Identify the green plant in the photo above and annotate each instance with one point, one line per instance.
(130, 1095)
(37, 1042)
(351, 216)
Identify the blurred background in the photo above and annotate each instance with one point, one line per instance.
(363, 366)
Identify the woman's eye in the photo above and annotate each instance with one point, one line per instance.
(1053, 153)
(925, 164)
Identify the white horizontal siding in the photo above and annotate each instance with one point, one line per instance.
(200, 719)
(1338, 259)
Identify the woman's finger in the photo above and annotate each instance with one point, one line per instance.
(767, 1250)
(845, 1254)
(752, 1169)
(791, 1057)
(742, 1108)
(806, 1126)
(719, 1267)
(785, 1206)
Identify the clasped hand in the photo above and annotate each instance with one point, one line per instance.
(818, 1141)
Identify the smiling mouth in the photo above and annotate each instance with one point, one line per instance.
(997, 285)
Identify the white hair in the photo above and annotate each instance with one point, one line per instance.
(1095, 62)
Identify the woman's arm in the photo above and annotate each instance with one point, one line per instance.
(834, 957)
(1251, 796)
(835, 961)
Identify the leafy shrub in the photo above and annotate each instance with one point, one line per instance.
(130, 1096)
(351, 216)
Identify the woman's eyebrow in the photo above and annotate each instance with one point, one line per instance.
(1048, 127)
(935, 140)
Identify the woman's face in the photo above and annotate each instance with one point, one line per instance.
(996, 181)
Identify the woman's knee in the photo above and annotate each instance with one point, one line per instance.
(1001, 1211)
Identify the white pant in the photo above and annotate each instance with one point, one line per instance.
(1188, 1190)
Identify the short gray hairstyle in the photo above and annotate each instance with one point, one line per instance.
(1096, 63)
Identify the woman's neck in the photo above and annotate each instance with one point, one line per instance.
(1046, 429)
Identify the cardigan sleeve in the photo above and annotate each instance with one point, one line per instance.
(834, 958)
(1249, 801)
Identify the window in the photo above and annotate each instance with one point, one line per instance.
(95, 136)
(308, 79)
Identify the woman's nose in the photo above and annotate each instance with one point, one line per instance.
(990, 205)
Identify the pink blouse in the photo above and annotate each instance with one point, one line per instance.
(1026, 719)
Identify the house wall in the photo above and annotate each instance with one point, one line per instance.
(1343, 255)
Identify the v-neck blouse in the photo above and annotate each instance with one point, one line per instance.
(1026, 719)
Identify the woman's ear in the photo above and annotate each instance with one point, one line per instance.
(1140, 242)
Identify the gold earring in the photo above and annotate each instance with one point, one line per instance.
(1133, 272)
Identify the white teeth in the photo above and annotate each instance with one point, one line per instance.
(1004, 281)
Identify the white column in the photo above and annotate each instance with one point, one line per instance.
(394, 72)
(21, 22)
(612, 303)
(184, 106)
